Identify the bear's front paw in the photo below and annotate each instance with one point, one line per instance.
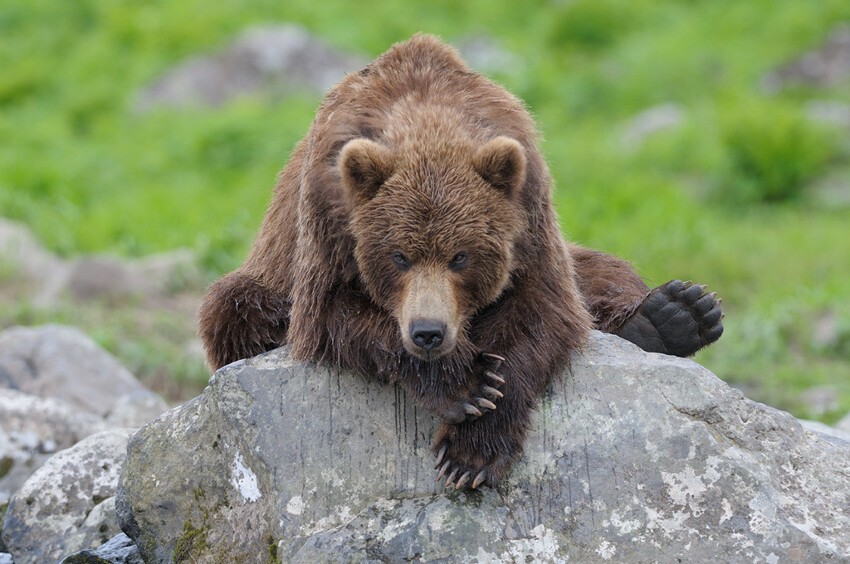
(482, 396)
(677, 318)
(466, 459)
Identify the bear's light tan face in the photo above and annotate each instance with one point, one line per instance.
(433, 243)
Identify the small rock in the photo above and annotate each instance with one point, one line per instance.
(119, 550)
(25, 256)
(486, 55)
(825, 66)
(62, 362)
(6, 558)
(166, 272)
(271, 59)
(820, 399)
(844, 424)
(32, 429)
(649, 122)
(829, 113)
(136, 409)
(68, 504)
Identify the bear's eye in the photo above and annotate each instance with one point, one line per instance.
(458, 262)
(400, 261)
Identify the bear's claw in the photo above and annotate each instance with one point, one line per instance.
(468, 459)
(677, 318)
(482, 400)
(464, 474)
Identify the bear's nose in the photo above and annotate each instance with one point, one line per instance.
(427, 334)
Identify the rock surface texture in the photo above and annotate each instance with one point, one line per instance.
(32, 429)
(632, 457)
(69, 503)
(118, 550)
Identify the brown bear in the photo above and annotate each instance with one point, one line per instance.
(412, 238)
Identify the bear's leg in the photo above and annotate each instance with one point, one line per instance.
(535, 326)
(675, 318)
(239, 318)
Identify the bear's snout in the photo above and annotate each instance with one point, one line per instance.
(428, 319)
(427, 334)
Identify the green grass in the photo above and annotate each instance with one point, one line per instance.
(726, 198)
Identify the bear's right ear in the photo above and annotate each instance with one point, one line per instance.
(364, 166)
(501, 162)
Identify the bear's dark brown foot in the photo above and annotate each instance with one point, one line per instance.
(240, 318)
(482, 397)
(676, 318)
(469, 455)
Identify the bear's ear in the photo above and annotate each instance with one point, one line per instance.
(501, 162)
(364, 166)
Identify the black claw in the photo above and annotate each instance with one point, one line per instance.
(495, 377)
(440, 456)
(492, 392)
(462, 480)
(479, 478)
(443, 470)
(471, 410)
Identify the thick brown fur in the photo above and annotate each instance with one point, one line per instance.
(420, 191)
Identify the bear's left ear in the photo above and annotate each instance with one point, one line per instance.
(364, 166)
(501, 162)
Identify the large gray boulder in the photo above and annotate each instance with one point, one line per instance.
(69, 503)
(633, 457)
(63, 362)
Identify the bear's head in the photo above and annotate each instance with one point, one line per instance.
(434, 232)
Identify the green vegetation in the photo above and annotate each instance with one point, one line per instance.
(731, 197)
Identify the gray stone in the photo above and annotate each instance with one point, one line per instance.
(112, 279)
(820, 399)
(825, 66)
(24, 260)
(119, 550)
(136, 409)
(62, 362)
(271, 59)
(169, 271)
(844, 424)
(487, 55)
(829, 113)
(633, 457)
(32, 429)
(68, 504)
(649, 122)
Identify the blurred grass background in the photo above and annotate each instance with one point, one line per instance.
(730, 197)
